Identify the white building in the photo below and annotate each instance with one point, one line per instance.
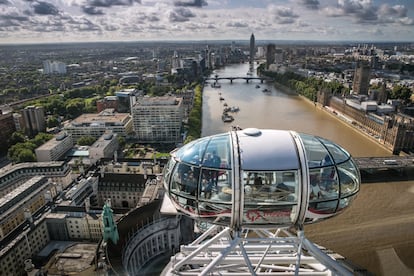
(158, 119)
(84, 227)
(55, 148)
(104, 147)
(54, 67)
(96, 125)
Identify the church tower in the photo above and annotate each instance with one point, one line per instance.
(110, 230)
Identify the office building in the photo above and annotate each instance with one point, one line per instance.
(127, 98)
(104, 147)
(84, 226)
(158, 119)
(80, 192)
(261, 51)
(361, 79)
(123, 189)
(22, 202)
(188, 100)
(11, 177)
(55, 148)
(175, 60)
(34, 120)
(279, 56)
(96, 125)
(270, 55)
(14, 257)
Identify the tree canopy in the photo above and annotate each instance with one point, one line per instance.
(86, 140)
(23, 151)
(401, 92)
(194, 119)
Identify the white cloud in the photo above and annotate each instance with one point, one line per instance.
(203, 19)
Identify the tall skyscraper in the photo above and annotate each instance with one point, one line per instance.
(361, 79)
(252, 49)
(175, 61)
(270, 54)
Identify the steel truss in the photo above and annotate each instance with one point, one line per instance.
(222, 251)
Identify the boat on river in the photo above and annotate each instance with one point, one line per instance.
(266, 90)
(227, 118)
(215, 85)
(234, 109)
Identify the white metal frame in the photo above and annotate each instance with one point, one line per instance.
(221, 251)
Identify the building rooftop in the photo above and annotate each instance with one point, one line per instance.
(8, 202)
(166, 100)
(104, 117)
(74, 259)
(104, 140)
(10, 168)
(54, 141)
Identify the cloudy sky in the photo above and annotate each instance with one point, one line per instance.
(25, 21)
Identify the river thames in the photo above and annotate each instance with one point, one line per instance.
(376, 232)
(276, 110)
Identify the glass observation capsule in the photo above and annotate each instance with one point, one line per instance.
(261, 178)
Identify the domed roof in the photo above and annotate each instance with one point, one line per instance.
(261, 178)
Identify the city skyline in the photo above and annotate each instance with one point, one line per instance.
(24, 21)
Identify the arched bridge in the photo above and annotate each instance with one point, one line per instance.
(247, 79)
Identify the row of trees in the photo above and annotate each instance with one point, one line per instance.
(310, 86)
(71, 103)
(194, 118)
(307, 87)
(401, 92)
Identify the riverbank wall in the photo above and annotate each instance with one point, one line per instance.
(285, 89)
(347, 121)
(378, 221)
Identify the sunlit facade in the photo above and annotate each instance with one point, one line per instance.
(158, 119)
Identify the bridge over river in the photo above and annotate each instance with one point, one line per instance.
(382, 163)
(247, 79)
(385, 169)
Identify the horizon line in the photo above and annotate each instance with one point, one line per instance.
(313, 41)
